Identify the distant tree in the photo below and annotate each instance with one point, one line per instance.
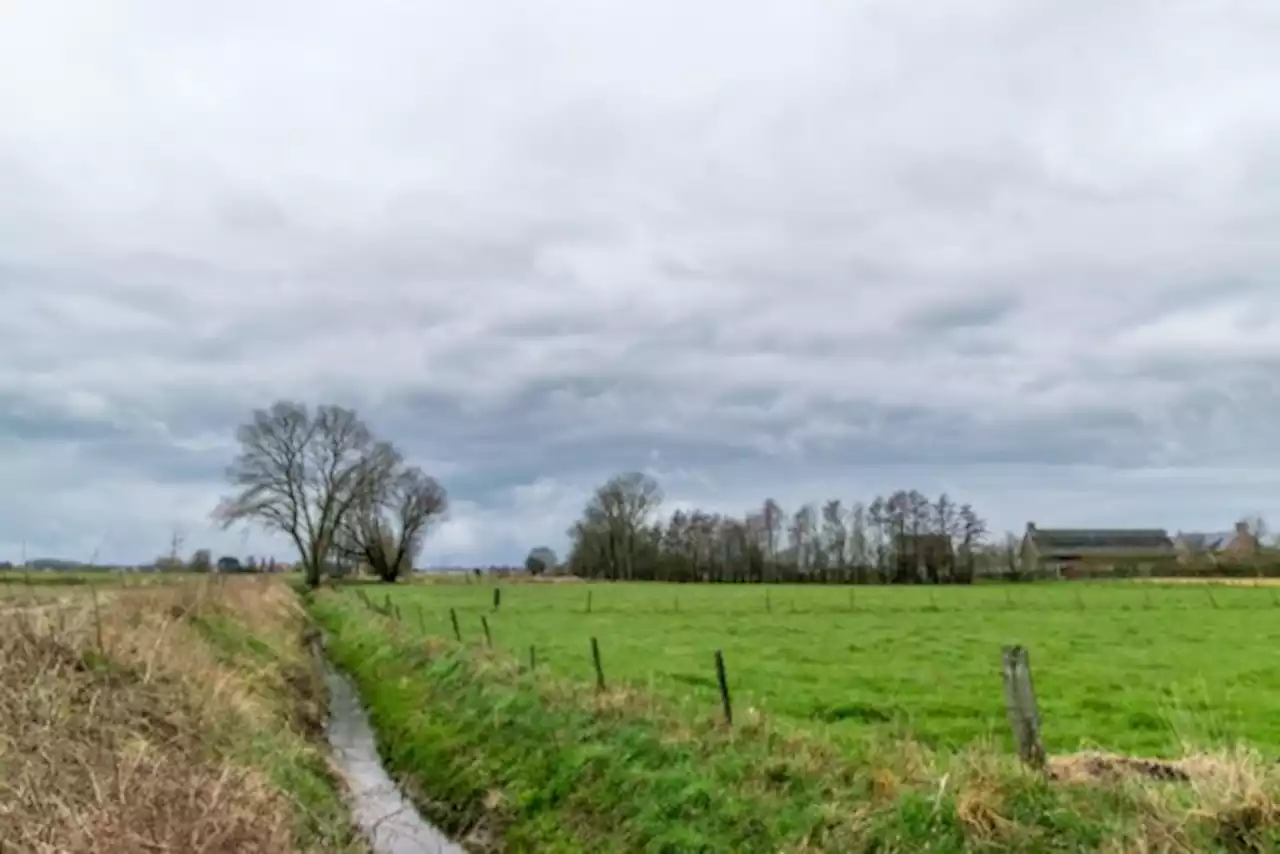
(168, 563)
(540, 561)
(771, 516)
(972, 531)
(611, 538)
(300, 473)
(385, 529)
(835, 536)
(903, 538)
(201, 561)
(229, 563)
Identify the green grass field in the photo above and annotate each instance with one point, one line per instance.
(1138, 668)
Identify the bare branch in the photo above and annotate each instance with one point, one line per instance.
(300, 473)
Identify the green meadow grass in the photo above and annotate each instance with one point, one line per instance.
(1138, 668)
(884, 731)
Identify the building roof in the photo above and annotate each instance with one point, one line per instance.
(1209, 542)
(1098, 539)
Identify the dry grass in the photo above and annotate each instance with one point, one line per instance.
(122, 728)
(1209, 579)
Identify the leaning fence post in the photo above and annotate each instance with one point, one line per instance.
(457, 632)
(595, 658)
(1020, 705)
(724, 688)
(488, 638)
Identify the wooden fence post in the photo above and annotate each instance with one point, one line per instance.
(488, 638)
(723, 680)
(595, 658)
(1020, 705)
(457, 632)
(533, 658)
(497, 597)
(422, 621)
(588, 601)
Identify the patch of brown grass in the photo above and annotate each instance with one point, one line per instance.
(1219, 580)
(115, 725)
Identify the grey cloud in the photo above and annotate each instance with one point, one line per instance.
(1018, 241)
(986, 310)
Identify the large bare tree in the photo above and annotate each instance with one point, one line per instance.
(301, 472)
(386, 526)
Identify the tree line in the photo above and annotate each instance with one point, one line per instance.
(345, 498)
(902, 538)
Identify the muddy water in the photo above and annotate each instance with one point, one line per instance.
(388, 821)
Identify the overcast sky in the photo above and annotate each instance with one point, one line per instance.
(1027, 252)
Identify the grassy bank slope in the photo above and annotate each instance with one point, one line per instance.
(178, 717)
(523, 762)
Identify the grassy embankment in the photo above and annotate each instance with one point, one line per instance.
(882, 725)
(179, 717)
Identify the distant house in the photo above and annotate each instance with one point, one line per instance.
(1074, 552)
(1222, 545)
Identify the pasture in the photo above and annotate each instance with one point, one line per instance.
(1134, 667)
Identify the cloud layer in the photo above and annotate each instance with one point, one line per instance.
(1023, 251)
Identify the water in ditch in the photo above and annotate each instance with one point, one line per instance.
(390, 823)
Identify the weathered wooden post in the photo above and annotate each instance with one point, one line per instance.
(457, 632)
(422, 621)
(497, 597)
(1020, 705)
(533, 658)
(595, 658)
(723, 681)
(488, 638)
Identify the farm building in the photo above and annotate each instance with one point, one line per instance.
(1223, 545)
(1082, 552)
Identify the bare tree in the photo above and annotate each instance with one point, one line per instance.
(386, 526)
(300, 474)
(946, 526)
(771, 515)
(614, 528)
(859, 546)
(972, 531)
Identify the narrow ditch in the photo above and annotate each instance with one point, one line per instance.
(387, 819)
